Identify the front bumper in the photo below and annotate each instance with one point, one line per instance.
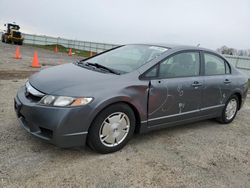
(64, 127)
(15, 39)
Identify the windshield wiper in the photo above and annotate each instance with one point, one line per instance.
(102, 67)
(80, 62)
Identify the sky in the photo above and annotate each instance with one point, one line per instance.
(210, 23)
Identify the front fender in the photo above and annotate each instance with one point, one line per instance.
(141, 108)
(135, 95)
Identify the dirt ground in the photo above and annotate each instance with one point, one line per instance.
(21, 68)
(203, 154)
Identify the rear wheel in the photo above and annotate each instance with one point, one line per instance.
(230, 110)
(112, 128)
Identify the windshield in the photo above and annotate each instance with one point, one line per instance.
(127, 58)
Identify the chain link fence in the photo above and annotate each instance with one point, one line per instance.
(67, 43)
(240, 62)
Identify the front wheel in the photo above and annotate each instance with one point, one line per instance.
(112, 128)
(7, 41)
(230, 110)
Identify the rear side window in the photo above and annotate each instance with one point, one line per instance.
(183, 64)
(215, 65)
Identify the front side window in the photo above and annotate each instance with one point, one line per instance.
(215, 65)
(184, 64)
(151, 73)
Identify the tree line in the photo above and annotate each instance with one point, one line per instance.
(232, 51)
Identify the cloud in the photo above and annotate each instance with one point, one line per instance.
(208, 22)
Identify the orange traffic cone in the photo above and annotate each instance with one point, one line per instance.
(18, 54)
(35, 62)
(70, 52)
(56, 49)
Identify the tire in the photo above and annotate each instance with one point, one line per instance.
(226, 116)
(112, 128)
(7, 41)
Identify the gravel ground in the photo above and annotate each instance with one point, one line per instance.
(203, 154)
(21, 68)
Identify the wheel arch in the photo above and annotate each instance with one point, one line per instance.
(123, 100)
(238, 94)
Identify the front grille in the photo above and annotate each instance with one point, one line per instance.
(32, 98)
(16, 34)
(32, 94)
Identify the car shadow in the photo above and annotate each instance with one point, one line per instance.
(174, 130)
(136, 140)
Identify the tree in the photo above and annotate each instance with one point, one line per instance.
(231, 51)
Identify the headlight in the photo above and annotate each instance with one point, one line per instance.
(51, 100)
(48, 99)
(63, 101)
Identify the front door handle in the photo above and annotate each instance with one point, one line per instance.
(196, 84)
(227, 81)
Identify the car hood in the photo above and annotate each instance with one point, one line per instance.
(59, 79)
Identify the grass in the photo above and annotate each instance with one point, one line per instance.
(63, 49)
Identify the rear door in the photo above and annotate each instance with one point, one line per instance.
(175, 95)
(217, 83)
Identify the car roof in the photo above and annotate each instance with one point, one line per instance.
(176, 46)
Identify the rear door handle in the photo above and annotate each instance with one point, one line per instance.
(227, 81)
(196, 84)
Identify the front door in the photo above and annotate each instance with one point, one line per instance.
(176, 94)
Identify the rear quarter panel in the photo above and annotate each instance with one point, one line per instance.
(239, 85)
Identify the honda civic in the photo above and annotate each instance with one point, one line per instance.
(103, 100)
